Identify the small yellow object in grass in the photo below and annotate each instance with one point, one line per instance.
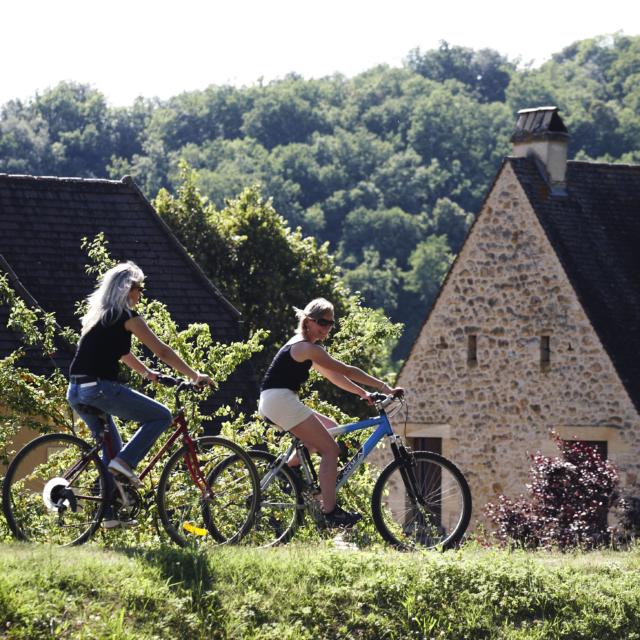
(191, 528)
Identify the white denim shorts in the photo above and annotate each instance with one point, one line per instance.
(283, 408)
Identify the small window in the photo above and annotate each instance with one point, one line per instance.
(545, 353)
(472, 350)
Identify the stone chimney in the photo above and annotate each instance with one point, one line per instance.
(541, 133)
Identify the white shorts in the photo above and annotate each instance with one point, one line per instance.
(283, 408)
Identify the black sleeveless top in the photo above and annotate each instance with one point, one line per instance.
(286, 373)
(101, 348)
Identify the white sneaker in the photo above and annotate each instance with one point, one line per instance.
(117, 466)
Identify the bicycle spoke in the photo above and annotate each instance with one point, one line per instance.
(225, 511)
(432, 511)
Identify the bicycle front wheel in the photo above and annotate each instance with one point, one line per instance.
(54, 491)
(421, 502)
(281, 507)
(220, 510)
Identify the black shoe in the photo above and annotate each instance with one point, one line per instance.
(341, 518)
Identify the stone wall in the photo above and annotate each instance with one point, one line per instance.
(508, 289)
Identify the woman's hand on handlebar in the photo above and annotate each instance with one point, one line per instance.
(396, 392)
(202, 380)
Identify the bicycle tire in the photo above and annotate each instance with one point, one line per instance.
(281, 508)
(35, 494)
(443, 517)
(227, 514)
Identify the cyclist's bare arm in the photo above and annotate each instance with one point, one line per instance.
(302, 351)
(138, 366)
(341, 381)
(140, 330)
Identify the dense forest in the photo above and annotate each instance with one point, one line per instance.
(388, 167)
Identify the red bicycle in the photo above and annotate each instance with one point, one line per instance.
(56, 489)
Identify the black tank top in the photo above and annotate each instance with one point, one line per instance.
(286, 373)
(101, 348)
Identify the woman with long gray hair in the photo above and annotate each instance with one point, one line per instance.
(105, 341)
(279, 401)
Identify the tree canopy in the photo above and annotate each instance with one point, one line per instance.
(375, 165)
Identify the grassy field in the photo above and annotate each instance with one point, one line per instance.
(304, 591)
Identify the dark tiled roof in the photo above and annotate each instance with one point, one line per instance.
(595, 231)
(42, 222)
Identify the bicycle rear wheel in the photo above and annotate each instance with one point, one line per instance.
(226, 511)
(54, 491)
(421, 502)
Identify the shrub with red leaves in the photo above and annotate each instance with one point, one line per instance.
(569, 498)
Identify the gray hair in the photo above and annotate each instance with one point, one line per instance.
(107, 303)
(314, 310)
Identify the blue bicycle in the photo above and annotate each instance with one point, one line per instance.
(421, 500)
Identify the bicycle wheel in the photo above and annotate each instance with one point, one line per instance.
(54, 491)
(281, 508)
(422, 501)
(225, 513)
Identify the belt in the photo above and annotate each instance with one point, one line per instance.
(83, 381)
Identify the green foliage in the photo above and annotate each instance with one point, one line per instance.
(429, 263)
(316, 591)
(379, 283)
(266, 269)
(484, 72)
(388, 231)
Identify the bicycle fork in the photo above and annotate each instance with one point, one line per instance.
(407, 470)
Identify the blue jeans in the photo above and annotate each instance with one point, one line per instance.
(115, 399)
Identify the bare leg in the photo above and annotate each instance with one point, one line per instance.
(327, 423)
(314, 436)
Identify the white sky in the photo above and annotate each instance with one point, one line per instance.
(129, 48)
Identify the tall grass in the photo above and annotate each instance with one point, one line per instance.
(304, 591)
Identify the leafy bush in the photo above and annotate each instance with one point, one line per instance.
(569, 499)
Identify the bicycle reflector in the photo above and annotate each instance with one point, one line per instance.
(196, 531)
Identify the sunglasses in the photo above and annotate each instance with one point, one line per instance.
(323, 322)
(139, 286)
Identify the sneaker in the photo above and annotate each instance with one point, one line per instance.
(113, 523)
(117, 466)
(341, 518)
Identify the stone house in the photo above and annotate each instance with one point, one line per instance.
(42, 222)
(537, 324)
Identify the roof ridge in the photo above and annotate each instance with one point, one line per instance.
(63, 179)
(588, 163)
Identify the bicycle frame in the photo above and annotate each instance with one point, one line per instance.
(181, 431)
(191, 458)
(382, 429)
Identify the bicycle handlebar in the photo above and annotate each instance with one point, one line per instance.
(382, 401)
(170, 381)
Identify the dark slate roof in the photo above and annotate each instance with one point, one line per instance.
(42, 221)
(595, 232)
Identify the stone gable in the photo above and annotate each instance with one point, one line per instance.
(537, 363)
